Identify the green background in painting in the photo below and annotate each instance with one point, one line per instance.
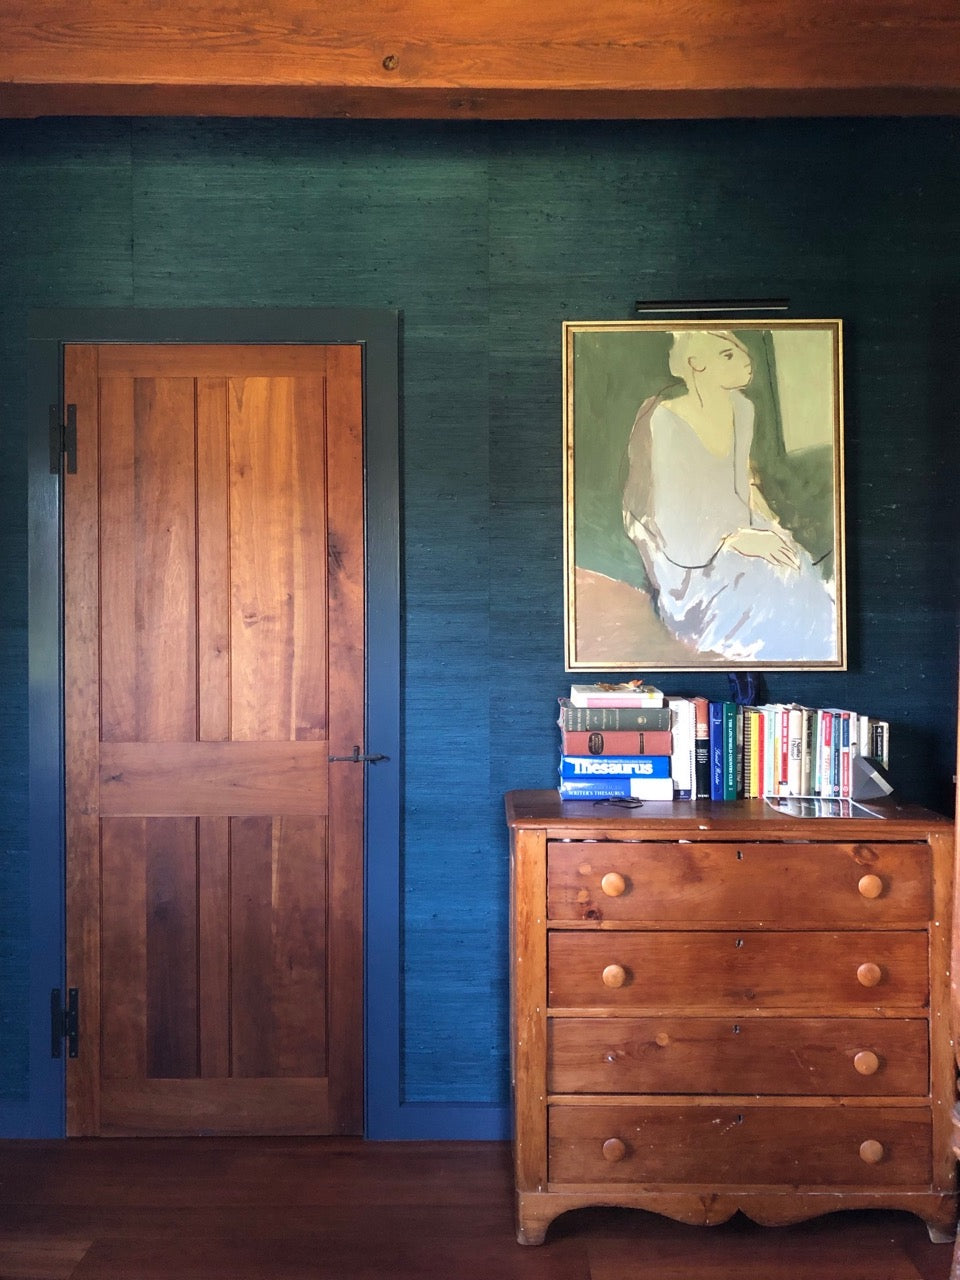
(614, 372)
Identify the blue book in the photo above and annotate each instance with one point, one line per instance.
(716, 750)
(614, 766)
(616, 788)
(731, 750)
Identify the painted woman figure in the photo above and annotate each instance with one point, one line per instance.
(727, 577)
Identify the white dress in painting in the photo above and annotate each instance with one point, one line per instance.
(682, 503)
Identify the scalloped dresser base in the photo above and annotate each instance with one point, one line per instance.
(536, 1210)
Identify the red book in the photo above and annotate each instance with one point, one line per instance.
(616, 742)
(782, 788)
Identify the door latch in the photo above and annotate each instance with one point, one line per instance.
(357, 758)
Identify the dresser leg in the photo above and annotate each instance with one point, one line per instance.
(534, 1215)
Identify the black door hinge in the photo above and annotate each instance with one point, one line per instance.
(64, 1022)
(63, 439)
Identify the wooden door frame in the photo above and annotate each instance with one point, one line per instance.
(377, 331)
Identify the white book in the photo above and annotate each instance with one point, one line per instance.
(794, 751)
(771, 717)
(633, 693)
(683, 727)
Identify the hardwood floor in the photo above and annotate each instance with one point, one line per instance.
(342, 1209)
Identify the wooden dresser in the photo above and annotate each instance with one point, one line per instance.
(717, 1008)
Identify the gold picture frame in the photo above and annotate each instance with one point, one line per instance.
(703, 495)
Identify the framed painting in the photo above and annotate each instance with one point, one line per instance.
(703, 495)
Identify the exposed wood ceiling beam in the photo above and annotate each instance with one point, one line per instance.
(487, 59)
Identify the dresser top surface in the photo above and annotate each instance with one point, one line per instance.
(663, 819)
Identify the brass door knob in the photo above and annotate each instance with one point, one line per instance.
(614, 975)
(613, 884)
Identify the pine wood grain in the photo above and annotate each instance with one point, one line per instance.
(715, 1144)
(698, 883)
(495, 60)
(746, 971)
(800, 1056)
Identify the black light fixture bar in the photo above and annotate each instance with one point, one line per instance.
(716, 307)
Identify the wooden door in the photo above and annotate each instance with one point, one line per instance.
(214, 664)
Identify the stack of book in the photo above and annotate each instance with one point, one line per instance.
(630, 741)
(616, 741)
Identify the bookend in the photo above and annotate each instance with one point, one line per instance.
(868, 779)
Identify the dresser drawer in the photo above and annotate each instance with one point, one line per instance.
(718, 970)
(748, 1145)
(866, 1057)
(795, 884)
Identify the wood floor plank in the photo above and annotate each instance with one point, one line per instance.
(370, 1246)
(343, 1209)
(846, 1246)
(25, 1256)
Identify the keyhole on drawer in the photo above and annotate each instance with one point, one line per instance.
(739, 855)
(736, 1028)
(739, 942)
(739, 1119)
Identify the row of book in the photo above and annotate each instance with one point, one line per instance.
(631, 741)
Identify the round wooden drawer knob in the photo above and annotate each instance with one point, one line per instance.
(613, 884)
(613, 1150)
(614, 975)
(866, 1062)
(870, 886)
(868, 975)
(871, 1151)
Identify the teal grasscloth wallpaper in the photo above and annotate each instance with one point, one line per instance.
(487, 236)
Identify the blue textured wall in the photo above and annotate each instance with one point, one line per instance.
(487, 236)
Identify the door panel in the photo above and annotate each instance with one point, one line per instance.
(148, 997)
(213, 588)
(147, 535)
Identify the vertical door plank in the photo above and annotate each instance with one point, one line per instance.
(123, 948)
(277, 559)
(213, 561)
(251, 931)
(149, 948)
(279, 948)
(118, 587)
(148, 555)
(171, 938)
(308, 536)
(345, 607)
(81, 592)
(213, 877)
(299, 952)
